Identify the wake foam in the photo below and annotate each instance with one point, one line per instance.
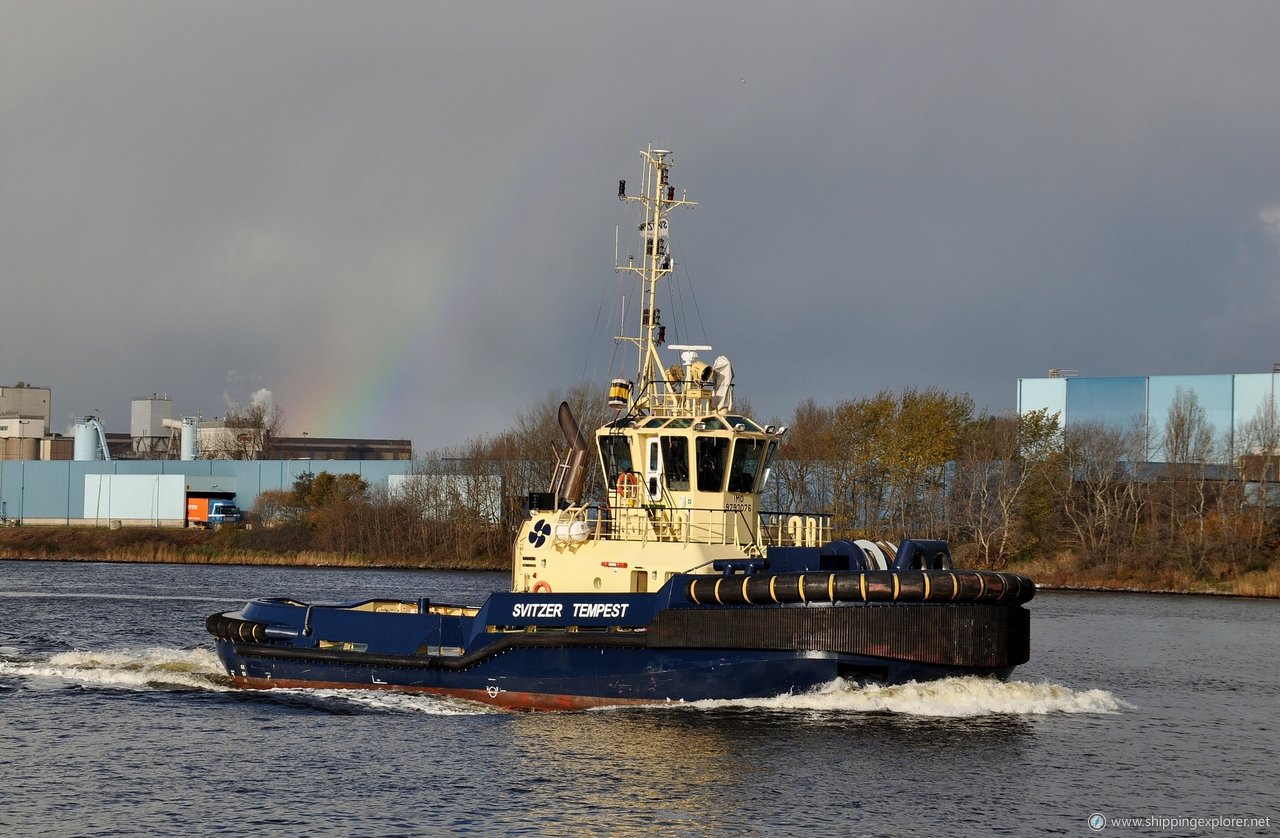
(193, 669)
(961, 697)
(384, 701)
(199, 669)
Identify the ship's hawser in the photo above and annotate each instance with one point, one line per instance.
(672, 584)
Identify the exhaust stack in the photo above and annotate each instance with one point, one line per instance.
(573, 471)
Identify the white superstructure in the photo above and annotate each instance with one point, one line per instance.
(683, 472)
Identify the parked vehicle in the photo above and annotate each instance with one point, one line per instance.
(212, 513)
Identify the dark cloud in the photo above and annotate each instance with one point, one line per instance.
(399, 218)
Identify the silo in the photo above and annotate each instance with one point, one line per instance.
(189, 445)
(86, 441)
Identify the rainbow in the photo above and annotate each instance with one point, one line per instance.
(374, 382)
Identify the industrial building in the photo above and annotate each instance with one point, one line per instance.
(154, 434)
(24, 423)
(156, 492)
(1142, 403)
(153, 474)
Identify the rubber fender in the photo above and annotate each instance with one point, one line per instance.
(983, 586)
(235, 630)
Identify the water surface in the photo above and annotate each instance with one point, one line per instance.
(116, 719)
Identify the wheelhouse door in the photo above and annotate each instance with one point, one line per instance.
(653, 471)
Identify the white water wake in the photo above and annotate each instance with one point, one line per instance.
(152, 668)
(960, 697)
(200, 669)
(390, 701)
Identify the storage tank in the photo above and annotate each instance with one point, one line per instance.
(86, 441)
(190, 448)
(188, 437)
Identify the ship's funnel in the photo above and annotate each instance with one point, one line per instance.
(575, 466)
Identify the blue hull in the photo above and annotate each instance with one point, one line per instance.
(578, 678)
(540, 651)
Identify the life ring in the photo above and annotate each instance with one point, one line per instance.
(628, 487)
(541, 588)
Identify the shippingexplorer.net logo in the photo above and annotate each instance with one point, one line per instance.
(1099, 822)
(538, 536)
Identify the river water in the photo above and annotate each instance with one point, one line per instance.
(115, 719)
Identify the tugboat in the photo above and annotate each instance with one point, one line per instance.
(675, 586)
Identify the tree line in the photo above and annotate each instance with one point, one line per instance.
(1002, 489)
(460, 507)
(1008, 488)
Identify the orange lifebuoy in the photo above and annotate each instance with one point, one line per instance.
(542, 588)
(628, 487)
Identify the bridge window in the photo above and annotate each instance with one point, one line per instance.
(768, 464)
(675, 461)
(746, 465)
(713, 452)
(615, 454)
(746, 423)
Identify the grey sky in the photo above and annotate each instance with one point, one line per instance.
(399, 217)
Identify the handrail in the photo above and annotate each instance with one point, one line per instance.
(710, 525)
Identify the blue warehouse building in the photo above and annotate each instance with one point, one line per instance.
(155, 492)
(1141, 404)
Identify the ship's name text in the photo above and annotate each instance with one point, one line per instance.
(551, 610)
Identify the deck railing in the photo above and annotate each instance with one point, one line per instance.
(693, 525)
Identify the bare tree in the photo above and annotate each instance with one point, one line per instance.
(801, 471)
(1259, 469)
(1089, 486)
(1188, 448)
(999, 458)
(248, 433)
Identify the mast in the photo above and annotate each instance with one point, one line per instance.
(658, 198)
